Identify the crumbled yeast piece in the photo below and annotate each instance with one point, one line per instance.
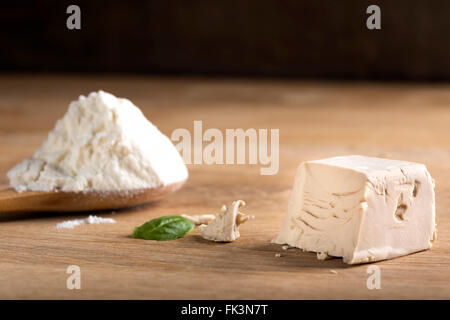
(225, 226)
(323, 256)
(200, 219)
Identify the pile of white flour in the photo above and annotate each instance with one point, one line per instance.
(70, 224)
(102, 143)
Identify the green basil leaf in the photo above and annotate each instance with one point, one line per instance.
(164, 228)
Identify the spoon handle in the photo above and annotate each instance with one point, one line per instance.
(12, 201)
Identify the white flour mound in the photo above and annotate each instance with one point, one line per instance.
(102, 143)
(69, 224)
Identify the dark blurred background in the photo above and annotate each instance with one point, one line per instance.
(291, 38)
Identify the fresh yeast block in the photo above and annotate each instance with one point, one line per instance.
(360, 208)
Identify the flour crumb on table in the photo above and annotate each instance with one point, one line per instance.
(70, 224)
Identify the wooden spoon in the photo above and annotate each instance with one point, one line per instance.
(12, 201)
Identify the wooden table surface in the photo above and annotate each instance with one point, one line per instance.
(316, 120)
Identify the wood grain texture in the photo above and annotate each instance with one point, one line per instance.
(316, 120)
